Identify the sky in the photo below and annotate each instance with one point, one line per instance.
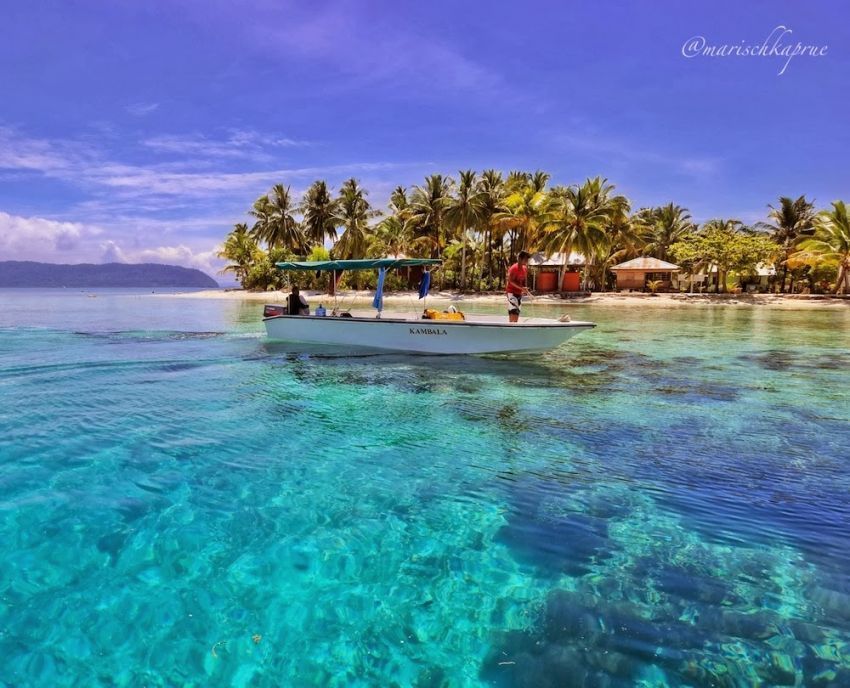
(142, 131)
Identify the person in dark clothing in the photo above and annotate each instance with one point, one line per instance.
(298, 304)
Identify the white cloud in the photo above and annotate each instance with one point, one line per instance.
(164, 210)
(55, 241)
(112, 253)
(206, 261)
(30, 238)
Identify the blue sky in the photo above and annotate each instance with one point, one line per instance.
(142, 131)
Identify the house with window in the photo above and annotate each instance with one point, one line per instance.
(633, 275)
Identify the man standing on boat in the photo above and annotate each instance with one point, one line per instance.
(516, 289)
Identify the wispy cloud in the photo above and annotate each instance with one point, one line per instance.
(81, 165)
(348, 40)
(147, 181)
(164, 210)
(141, 109)
(618, 149)
(237, 144)
(18, 152)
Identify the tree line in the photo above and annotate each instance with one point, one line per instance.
(478, 223)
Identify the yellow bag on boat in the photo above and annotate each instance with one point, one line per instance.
(433, 314)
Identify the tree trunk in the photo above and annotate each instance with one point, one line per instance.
(841, 282)
(463, 261)
(784, 272)
(489, 239)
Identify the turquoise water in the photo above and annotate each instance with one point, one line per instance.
(663, 501)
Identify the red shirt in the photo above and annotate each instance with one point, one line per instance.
(519, 274)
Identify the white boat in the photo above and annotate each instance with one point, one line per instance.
(474, 334)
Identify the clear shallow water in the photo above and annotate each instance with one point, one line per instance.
(662, 502)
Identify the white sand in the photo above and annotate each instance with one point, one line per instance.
(408, 299)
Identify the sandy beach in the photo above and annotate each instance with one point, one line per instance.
(612, 299)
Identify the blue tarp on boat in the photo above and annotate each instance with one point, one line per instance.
(378, 301)
(424, 284)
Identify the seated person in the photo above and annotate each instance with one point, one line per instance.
(297, 303)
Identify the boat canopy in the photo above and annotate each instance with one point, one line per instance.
(363, 264)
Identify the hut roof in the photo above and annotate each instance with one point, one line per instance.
(541, 260)
(647, 263)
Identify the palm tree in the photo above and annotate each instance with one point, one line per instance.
(830, 243)
(730, 226)
(390, 237)
(276, 224)
(582, 215)
(354, 213)
(539, 180)
(241, 249)
(622, 241)
(319, 211)
(284, 230)
(494, 192)
(464, 212)
(790, 221)
(662, 227)
(428, 206)
(399, 203)
(528, 212)
(261, 210)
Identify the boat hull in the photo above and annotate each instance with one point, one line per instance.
(425, 336)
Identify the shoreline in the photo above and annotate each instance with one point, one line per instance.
(781, 301)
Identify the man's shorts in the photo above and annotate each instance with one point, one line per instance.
(514, 304)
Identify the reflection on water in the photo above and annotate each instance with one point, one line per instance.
(662, 501)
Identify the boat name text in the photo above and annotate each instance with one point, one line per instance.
(426, 330)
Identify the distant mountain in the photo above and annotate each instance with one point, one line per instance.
(15, 273)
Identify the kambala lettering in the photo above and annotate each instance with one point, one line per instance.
(426, 330)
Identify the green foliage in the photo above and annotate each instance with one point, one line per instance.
(354, 215)
(427, 213)
(276, 224)
(721, 244)
(662, 227)
(318, 253)
(321, 214)
(241, 250)
(464, 213)
(830, 244)
(790, 222)
(263, 276)
(479, 223)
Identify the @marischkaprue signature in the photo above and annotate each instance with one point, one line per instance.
(778, 45)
